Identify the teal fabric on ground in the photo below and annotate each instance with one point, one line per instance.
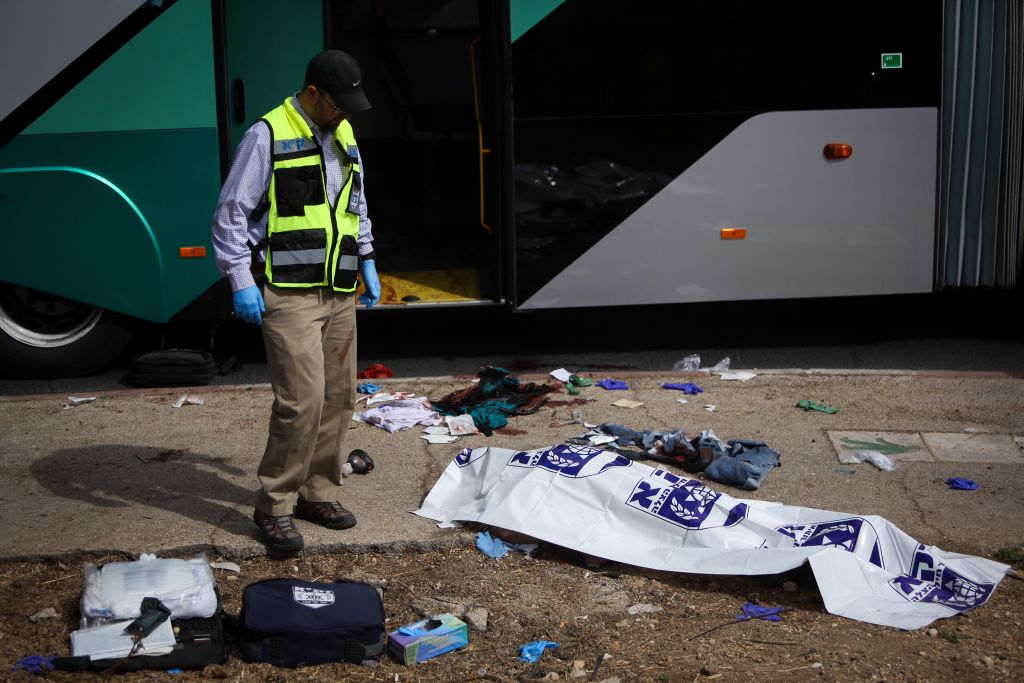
(492, 414)
(497, 395)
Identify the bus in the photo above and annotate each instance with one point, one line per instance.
(526, 154)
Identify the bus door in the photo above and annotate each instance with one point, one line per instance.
(431, 167)
(267, 44)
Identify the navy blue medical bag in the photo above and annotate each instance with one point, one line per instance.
(291, 622)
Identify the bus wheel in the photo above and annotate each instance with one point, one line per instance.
(44, 336)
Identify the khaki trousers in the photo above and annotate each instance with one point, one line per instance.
(310, 337)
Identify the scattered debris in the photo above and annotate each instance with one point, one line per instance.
(644, 608)
(561, 374)
(388, 396)
(722, 365)
(376, 371)
(874, 457)
(188, 401)
(687, 364)
(227, 566)
(627, 403)
(360, 461)
(739, 375)
(400, 415)
(77, 401)
(820, 407)
(461, 425)
(439, 438)
(46, 613)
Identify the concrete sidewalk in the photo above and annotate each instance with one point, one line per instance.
(131, 473)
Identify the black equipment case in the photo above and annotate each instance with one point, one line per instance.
(291, 622)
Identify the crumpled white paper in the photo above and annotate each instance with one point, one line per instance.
(606, 505)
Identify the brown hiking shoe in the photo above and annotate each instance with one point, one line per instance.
(279, 532)
(331, 515)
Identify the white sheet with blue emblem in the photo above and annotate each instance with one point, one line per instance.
(606, 505)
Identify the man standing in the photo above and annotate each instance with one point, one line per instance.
(293, 205)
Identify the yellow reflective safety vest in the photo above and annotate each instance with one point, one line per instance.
(308, 243)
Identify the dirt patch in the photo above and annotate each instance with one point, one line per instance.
(569, 402)
(511, 431)
(640, 625)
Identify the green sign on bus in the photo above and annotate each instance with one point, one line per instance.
(892, 60)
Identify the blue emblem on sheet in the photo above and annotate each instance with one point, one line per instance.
(465, 456)
(930, 580)
(683, 502)
(570, 461)
(841, 533)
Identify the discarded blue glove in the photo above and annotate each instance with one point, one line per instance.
(532, 651)
(368, 388)
(491, 547)
(961, 484)
(372, 295)
(249, 305)
(612, 384)
(688, 388)
(751, 611)
(34, 664)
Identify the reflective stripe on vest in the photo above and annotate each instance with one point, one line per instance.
(309, 244)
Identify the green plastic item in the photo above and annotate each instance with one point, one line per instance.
(578, 381)
(811, 405)
(572, 389)
(882, 446)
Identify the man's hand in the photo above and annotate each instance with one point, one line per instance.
(372, 283)
(249, 305)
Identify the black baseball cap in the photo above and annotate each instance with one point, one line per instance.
(337, 74)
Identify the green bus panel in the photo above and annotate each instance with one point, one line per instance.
(106, 186)
(104, 226)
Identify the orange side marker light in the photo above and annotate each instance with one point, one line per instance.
(192, 252)
(838, 150)
(734, 233)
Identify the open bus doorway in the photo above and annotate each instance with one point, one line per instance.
(424, 66)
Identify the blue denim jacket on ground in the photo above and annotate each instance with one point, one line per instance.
(746, 465)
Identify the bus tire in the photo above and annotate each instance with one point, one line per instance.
(43, 336)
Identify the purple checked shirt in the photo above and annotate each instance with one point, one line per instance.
(245, 186)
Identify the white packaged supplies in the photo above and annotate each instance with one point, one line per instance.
(115, 590)
(110, 641)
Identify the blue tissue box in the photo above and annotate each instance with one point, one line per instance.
(420, 641)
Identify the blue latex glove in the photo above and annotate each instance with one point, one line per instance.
(961, 484)
(688, 388)
(372, 282)
(249, 305)
(491, 547)
(532, 651)
(759, 612)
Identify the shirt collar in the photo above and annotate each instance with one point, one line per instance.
(315, 129)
